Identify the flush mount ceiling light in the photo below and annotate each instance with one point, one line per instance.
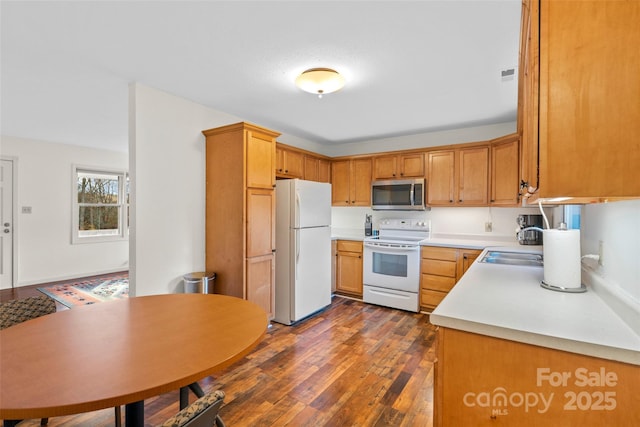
(320, 81)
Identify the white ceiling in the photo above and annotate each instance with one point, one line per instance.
(411, 66)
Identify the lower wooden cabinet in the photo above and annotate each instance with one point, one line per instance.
(349, 267)
(261, 282)
(488, 381)
(441, 268)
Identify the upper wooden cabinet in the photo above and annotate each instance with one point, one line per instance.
(324, 170)
(289, 163)
(240, 208)
(458, 177)
(351, 182)
(316, 169)
(505, 182)
(410, 165)
(580, 91)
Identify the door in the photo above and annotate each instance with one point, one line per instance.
(440, 180)
(6, 211)
(340, 183)
(260, 282)
(473, 176)
(312, 204)
(260, 222)
(312, 263)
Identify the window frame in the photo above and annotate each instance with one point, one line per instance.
(122, 205)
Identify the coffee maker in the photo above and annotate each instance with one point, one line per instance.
(529, 237)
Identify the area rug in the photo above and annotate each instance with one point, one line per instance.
(89, 291)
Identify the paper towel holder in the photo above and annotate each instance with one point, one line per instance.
(581, 289)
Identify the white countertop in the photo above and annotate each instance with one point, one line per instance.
(508, 302)
(471, 241)
(347, 234)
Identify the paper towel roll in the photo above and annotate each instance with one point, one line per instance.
(561, 251)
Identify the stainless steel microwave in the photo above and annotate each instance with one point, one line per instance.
(398, 194)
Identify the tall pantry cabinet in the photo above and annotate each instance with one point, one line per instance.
(240, 211)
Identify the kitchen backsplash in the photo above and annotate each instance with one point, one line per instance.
(443, 220)
(617, 226)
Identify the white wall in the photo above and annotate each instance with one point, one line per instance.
(431, 139)
(44, 182)
(617, 226)
(167, 166)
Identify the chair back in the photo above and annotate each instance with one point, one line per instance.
(21, 310)
(201, 413)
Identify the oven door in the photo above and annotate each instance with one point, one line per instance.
(392, 266)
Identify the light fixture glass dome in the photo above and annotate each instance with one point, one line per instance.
(320, 81)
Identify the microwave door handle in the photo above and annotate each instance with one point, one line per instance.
(412, 196)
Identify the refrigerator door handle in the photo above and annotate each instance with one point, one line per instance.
(297, 231)
(297, 216)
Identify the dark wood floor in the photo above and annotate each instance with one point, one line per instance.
(351, 365)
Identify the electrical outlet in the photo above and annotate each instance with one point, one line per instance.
(488, 227)
(600, 252)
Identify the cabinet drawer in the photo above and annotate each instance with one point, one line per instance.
(435, 252)
(431, 298)
(349, 246)
(437, 283)
(439, 268)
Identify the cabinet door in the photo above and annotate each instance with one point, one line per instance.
(528, 84)
(294, 164)
(340, 182)
(260, 282)
(310, 168)
(505, 172)
(589, 98)
(361, 182)
(465, 260)
(441, 178)
(324, 170)
(260, 160)
(260, 222)
(279, 161)
(349, 272)
(411, 165)
(385, 167)
(473, 176)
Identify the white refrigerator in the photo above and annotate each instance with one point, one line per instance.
(303, 249)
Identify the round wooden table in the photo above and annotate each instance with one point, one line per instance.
(121, 352)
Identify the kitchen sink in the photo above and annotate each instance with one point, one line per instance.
(512, 258)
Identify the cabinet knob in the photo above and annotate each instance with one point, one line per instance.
(450, 201)
(460, 200)
(346, 201)
(353, 201)
(286, 171)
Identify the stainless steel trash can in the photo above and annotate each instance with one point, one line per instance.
(200, 282)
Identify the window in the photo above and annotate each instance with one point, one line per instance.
(101, 205)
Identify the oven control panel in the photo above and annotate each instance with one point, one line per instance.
(404, 224)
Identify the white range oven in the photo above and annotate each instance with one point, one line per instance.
(391, 264)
